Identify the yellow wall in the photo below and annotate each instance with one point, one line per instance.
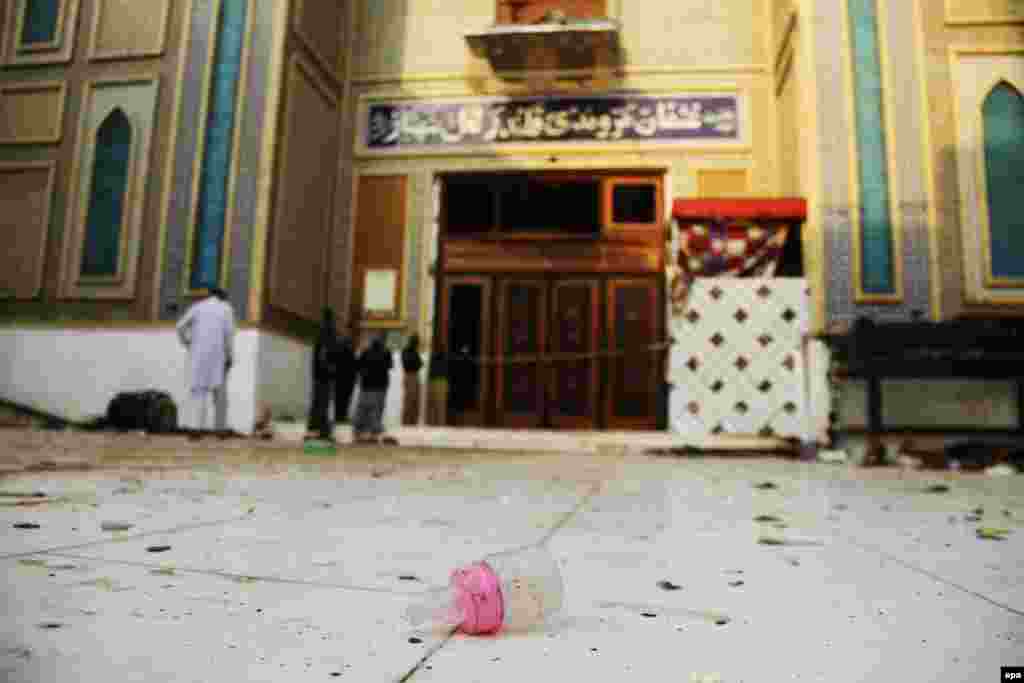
(411, 49)
(951, 29)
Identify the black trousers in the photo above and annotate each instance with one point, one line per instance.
(319, 421)
(344, 386)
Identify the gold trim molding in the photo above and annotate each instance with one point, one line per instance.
(366, 79)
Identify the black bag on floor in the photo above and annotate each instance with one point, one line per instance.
(151, 411)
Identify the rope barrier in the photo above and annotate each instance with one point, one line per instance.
(518, 359)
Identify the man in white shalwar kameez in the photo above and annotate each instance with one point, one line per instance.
(208, 331)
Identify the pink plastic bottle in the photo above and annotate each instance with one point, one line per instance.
(513, 591)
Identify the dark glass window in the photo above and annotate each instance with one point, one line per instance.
(634, 203)
(469, 204)
(40, 22)
(112, 162)
(550, 205)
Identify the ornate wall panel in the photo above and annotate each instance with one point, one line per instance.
(322, 26)
(136, 98)
(38, 31)
(305, 205)
(123, 29)
(26, 198)
(32, 112)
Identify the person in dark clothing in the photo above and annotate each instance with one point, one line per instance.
(344, 380)
(323, 375)
(412, 363)
(437, 388)
(375, 365)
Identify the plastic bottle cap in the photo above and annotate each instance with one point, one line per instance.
(479, 598)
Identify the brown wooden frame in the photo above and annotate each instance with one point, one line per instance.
(558, 421)
(479, 416)
(646, 231)
(506, 418)
(611, 420)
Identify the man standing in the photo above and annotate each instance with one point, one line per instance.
(374, 376)
(345, 379)
(207, 330)
(323, 374)
(411, 364)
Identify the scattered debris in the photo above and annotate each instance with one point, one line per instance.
(722, 621)
(116, 526)
(415, 641)
(972, 518)
(733, 571)
(834, 457)
(767, 519)
(993, 533)
(771, 540)
(158, 548)
(245, 579)
(794, 562)
(51, 624)
(26, 525)
(766, 486)
(736, 584)
(668, 586)
(649, 615)
(408, 577)
(937, 488)
(162, 571)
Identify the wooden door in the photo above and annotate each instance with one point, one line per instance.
(466, 322)
(520, 386)
(633, 373)
(574, 330)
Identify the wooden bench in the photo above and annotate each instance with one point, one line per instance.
(963, 348)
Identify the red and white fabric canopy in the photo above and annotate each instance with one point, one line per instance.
(734, 237)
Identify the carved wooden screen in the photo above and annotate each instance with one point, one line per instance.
(633, 377)
(574, 383)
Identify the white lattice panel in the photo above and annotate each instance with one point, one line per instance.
(737, 365)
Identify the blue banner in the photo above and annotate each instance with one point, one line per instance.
(611, 118)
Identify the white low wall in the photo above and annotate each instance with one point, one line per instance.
(74, 373)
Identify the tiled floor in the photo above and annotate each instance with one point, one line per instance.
(302, 571)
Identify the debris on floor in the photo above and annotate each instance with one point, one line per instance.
(937, 488)
(766, 486)
(668, 586)
(993, 533)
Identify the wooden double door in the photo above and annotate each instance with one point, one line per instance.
(558, 352)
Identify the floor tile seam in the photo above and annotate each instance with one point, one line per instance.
(932, 575)
(431, 651)
(122, 539)
(232, 575)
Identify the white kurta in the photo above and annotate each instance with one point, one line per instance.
(208, 330)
